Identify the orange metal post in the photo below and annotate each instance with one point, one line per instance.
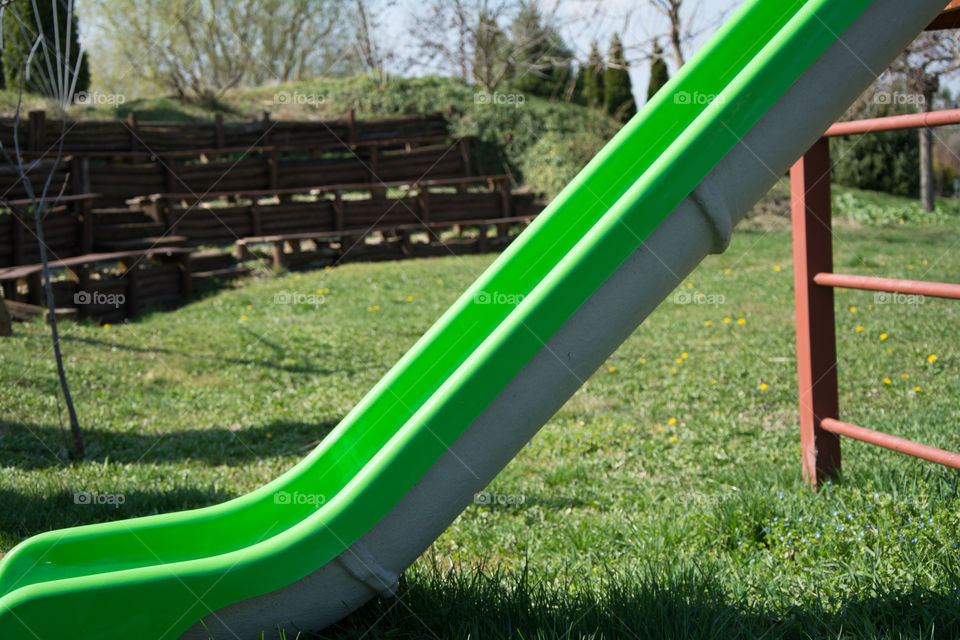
(816, 338)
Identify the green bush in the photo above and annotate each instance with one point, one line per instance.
(886, 161)
(551, 163)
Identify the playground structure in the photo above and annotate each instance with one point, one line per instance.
(664, 193)
(814, 282)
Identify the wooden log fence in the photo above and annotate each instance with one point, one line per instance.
(107, 287)
(130, 134)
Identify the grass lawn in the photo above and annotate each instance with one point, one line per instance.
(664, 499)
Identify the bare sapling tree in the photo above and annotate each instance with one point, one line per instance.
(44, 67)
(931, 57)
(367, 51)
(675, 33)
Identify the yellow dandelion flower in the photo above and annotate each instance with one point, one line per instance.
(726, 321)
(932, 358)
(886, 381)
(249, 307)
(242, 318)
(679, 360)
(917, 389)
(689, 285)
(659, 428)
(673, 370)
(106, 325)
(674, 439)
(643, 361)
(709, 323)
(672, 421)
(714, 382)
(409, 298)
(728, 270)
(777, 268)
(905, 376)
(612, 369)
(320, 291)
(684, 355)
(742, 321)
(858, 329)
(853, 309)
(763, 386)
(883, 336)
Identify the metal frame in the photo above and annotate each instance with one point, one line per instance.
(814, 282)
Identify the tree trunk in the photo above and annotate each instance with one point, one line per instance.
(927, 192)
(76, 435)
(6, 329)
(927, 187)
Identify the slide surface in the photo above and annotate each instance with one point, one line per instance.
(155, 577)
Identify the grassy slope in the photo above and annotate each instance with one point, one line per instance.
(663, 499)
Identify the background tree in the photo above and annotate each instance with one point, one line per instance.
(593, 78)
(617, 90)
(659, 75)
(491, 60)
(541, 62)
(198, 49)
(576, 92)
(489, 42)
(56, 22)
(460, 35)
(878, 161)
(675, 33)
(368, 50)
(931, 57)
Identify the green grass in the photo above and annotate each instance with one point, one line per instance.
(663, 500)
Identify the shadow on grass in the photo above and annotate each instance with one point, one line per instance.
(24, 515)
(34, 446)
(171, 110)
(653, 604)
(267, 364)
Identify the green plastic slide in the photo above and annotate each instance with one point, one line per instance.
(154, 577)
